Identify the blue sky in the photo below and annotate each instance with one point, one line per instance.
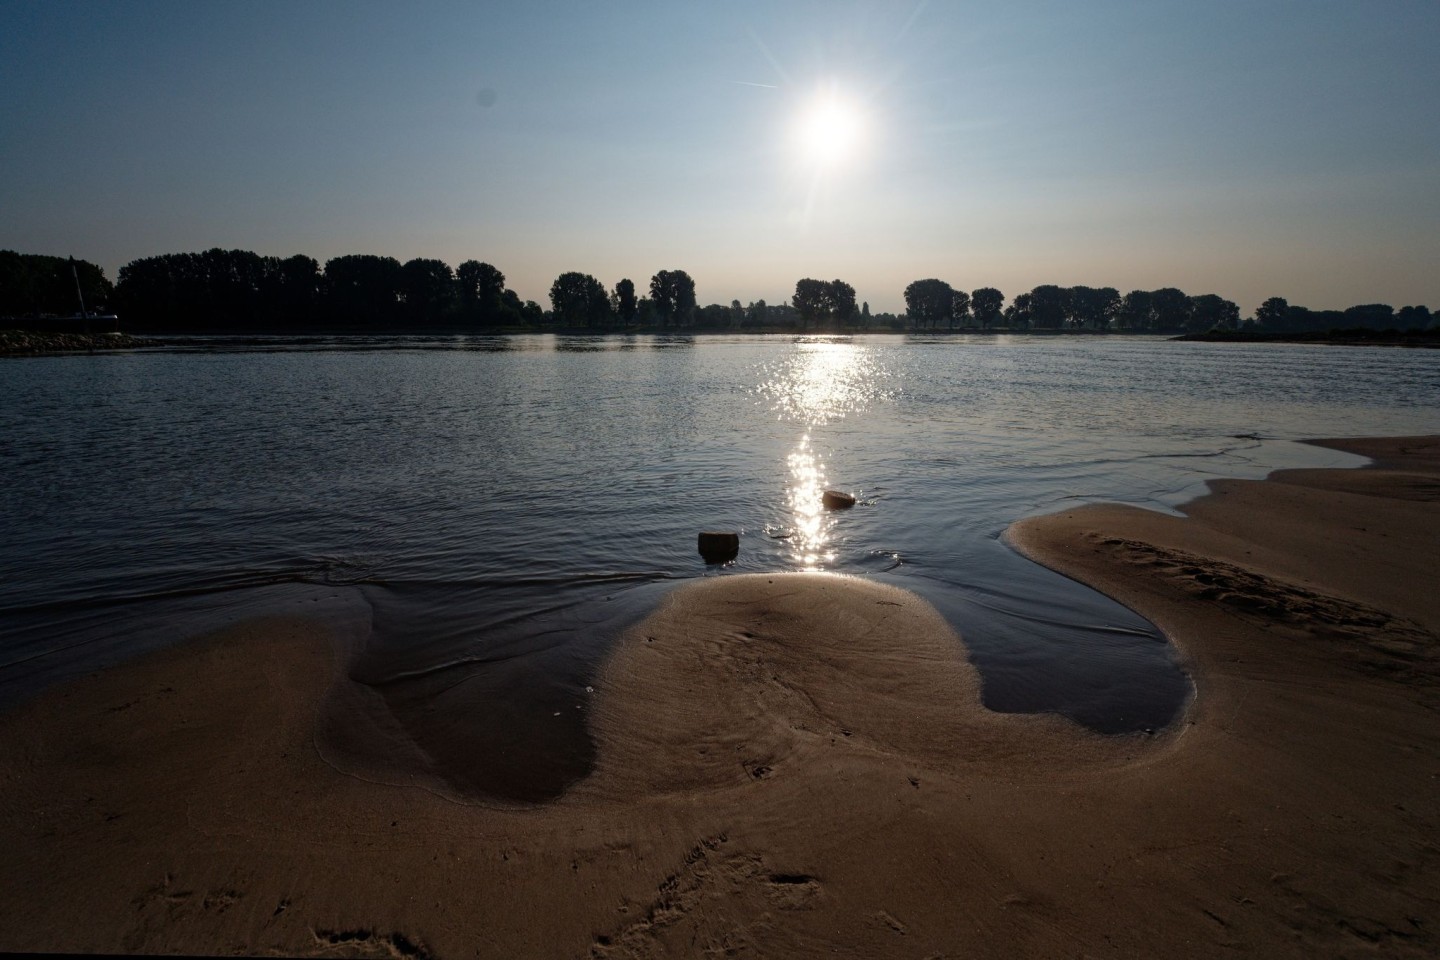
(1250, 149)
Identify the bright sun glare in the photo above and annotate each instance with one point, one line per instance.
(829, 132)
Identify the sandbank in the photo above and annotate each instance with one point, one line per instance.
(799, 765)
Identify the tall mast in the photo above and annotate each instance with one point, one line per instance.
(75, 272)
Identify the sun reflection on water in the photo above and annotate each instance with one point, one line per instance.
(822, 382)
(810, 536)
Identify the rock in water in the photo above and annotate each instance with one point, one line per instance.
(835, 500)
(718, 547)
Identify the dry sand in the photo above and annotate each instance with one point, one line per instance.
(798, 765)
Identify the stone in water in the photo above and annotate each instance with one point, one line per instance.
(717, 547)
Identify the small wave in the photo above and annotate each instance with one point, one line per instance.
(228, 584)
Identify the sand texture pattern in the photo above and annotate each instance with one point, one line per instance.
(799, 765)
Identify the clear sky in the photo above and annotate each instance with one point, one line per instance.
(1251, 149)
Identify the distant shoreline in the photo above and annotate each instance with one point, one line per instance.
(21, 342)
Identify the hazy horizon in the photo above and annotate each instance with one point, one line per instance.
(1286, 150)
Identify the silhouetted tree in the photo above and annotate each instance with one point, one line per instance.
(531, 314)
(821, 301)
(840, 301)
(1049, 306)
(481, 291)
(929, 301)
(1372, 316)
(811, 300)
(292, 292)
(624, 301)
(759, 313)
(148, 291)
(1108, 304)
(579, 299)
(1170, 309)
(1093, 308)
(986, 304)
(1272, 313)
(1413, 318)
(645, 314)
(1081, 307)
(672, 293)
(959, 308)
(363, 290)
(428, 288)
(1136, 311)
(1211, 311)
(1017, 315)
(713, 316)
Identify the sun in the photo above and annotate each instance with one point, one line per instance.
(829, 132)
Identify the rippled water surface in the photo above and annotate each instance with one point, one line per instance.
(481, 515)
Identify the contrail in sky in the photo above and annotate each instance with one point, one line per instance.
(747, 83)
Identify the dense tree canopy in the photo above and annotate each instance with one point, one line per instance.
(428, 289)
(673, 294)
(929, 301)
(1272, 313)
(1093, 309)
(216, 289)
(1210, 311)
(840, 298)
(1135, 311)
(959, 308)
(364, 290)
(579, 300)
(31, 285)
(1414, 318)
(1168, 310)
(821, 301)
(240, 291)
(986, 304)
(811, 299)
(624, 301)
(481, 289)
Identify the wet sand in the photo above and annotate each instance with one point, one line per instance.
(798, 765)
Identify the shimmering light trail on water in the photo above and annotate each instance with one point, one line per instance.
(812, 523)
(481, 516)
(822, 382)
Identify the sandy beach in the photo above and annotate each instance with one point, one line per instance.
(799, 765)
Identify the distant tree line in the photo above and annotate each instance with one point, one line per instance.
(930, 303)
(1277, 316)
(33, 286)
(933, 303)
(240, 291)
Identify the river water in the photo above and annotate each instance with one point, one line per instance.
(480, 516)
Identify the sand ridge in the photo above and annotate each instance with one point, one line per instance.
(799, 766)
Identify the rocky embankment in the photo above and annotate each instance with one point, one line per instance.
(26, 341)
